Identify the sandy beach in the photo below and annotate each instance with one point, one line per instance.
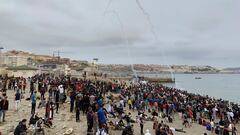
(65, 120)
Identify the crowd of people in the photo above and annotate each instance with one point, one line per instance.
(110, 105)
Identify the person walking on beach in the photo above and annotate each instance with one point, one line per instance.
(17, 100)
(34, 100)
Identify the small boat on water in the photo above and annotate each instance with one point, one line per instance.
(198, 77)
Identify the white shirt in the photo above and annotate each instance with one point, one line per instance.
(171, 128)
(212, 124)
(61, 90)
(101, 132)
(122, 102)
(109, 108)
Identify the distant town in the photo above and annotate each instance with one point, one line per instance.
(20, 63)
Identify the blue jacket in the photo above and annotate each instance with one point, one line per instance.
(101, 116)
(33, 98)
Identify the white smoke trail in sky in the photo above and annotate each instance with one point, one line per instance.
(124, 35)
(148, 18)
(107, 7)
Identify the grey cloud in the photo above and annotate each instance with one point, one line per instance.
(189, 32)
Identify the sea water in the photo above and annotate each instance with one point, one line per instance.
(225, 86)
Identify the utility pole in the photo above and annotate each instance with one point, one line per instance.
(58, 54)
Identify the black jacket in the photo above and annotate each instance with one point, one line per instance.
(20, 129)
(4, 105)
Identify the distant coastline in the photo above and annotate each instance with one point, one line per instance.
(38, 59)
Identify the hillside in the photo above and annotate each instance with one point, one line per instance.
(120, 68)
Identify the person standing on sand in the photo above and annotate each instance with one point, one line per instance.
(141, 122)
(43, 90)
(15, 85)
(57, 99)
(129, 104)
(0, 107)
(77, 107)
(61, 92)
(24, 83)
(90, 119)
(17, 100)
(49, 109)
(72, 100)
(95, 122)
(4, 106)
(33, 99)
(32, 88)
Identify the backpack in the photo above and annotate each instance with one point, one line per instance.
(208, 127)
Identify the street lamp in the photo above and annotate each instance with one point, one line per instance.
(95, 60)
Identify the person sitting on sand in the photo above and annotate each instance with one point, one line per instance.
(40, 126)
(119, 125)
(109, 109)
(101, 131)
(34, 118)
(21, 128)
(185, 121)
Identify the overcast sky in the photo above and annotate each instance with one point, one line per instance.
(203, 32)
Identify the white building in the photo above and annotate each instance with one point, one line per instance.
(22, 71)
(15, 60)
